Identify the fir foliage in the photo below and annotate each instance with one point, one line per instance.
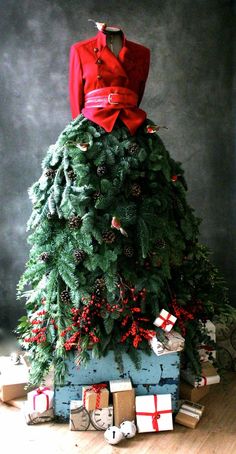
(168, 267)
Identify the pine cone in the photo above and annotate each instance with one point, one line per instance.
(160, 243)
(128, 251)
(79, 255)
(109, 236)
(71, 174)
(65, 296)
(135, 190)
(44, 256)
(98, 292)
(75, 222)
(50, 173)
(133, 148)
(101, 170)
(100, 283)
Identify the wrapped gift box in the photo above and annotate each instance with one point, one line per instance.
(35, 417)
(124, 406)
(95, 396)
(172, 341)
(82, 419)
(120, 385)
(189, 414)
(19, 402)
(165, 320)
(154, 413)
(209, 376)
(40, 400)
(189, 392)
(13, 379)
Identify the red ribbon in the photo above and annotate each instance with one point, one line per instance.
(96, 389)
(166, 321)
(41, 391)
(155, 415)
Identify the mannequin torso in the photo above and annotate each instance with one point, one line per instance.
(114, 41)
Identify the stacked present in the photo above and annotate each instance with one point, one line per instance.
(153, 413)
(194, 387)
(189, 414)
(93, 412)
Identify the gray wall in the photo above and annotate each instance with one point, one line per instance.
(189, 90)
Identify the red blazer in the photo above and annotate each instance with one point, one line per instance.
(93, 65)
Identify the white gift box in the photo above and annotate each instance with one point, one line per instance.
(40, 400)
(209, 376)
(120, 385)
(165, 320)
(154, 413)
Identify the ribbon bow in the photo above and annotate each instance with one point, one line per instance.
(166, 321)
(97, 390)
(155, 414)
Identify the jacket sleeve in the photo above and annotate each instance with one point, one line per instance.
(76, 88)
(145, 76)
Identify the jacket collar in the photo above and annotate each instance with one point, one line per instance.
(102, 40)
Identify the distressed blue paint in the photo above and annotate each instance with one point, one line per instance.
(158, 375)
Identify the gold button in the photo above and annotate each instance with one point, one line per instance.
(99, 61)
(95, 49)
(98, 76)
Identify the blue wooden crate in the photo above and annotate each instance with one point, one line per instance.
(157, 375)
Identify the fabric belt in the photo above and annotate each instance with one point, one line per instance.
(117, 97)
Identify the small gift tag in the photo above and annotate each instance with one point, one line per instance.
(165, 320)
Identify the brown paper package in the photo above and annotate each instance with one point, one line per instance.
(124, 406)
(91, 398)
(194, 394)
(186, 420)
(11, 391)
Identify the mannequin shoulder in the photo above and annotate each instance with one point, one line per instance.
(84, 43)
(138, 48)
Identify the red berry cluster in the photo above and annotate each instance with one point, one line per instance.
(40, 331)
(83, 318)
(182, 315)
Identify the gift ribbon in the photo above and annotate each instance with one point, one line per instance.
(96, 389)
(166, 321)
(41, 391)
(155, 415)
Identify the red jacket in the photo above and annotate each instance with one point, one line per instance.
(93, 65)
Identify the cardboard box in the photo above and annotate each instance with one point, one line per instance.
(189, 392)
(189, 414)
(12, 390)
(124, 406)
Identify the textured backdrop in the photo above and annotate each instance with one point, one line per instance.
(189, 89)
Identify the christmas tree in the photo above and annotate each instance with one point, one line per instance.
(113, 242)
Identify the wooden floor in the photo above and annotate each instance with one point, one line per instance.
(215, 433)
